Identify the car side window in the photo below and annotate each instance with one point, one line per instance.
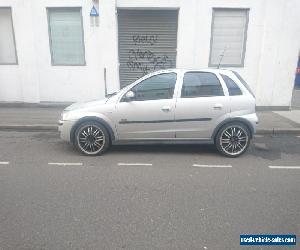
(201, 84)
(232, 87)
(156, 87)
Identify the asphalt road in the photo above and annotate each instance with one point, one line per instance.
(107, 202)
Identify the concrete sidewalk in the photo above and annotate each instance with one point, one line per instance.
(296, 99)
(44, 118)
(29, 118)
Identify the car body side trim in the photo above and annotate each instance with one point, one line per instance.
(124, 121)
(164, 141)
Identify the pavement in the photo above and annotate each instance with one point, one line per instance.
(278, 122)
(44, 118)
(296, 98)
(145, 197)
(29, 118)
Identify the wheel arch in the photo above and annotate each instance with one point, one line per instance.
(232, 120)
(94, 119)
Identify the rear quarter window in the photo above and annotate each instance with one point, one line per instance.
(232, 87)
(243, 82)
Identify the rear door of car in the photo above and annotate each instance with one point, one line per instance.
(242, 99)
(202, 103)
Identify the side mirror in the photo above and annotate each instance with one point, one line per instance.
(129, 95)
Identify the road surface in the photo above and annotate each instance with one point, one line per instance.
(145, 197)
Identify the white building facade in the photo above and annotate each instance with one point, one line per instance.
(61, 51)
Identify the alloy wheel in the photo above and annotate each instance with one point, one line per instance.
(91, 139)
(234, 140)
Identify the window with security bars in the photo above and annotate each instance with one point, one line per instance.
(66, 36)
(228, 37)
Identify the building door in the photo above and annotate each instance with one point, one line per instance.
(297, 78)
(147, 42)
(296, 92)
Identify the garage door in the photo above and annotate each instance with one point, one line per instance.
(147, 42)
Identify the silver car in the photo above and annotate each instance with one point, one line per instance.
(211, 106)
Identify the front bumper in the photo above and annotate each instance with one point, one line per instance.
(64, 128)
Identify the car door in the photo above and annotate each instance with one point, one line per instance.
(150, 113)
(201, 106)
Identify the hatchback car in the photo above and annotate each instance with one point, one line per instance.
(176, 106)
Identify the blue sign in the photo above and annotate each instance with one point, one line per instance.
(94, 12)
(265, 239)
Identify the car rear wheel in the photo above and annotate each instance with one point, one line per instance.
(91, 138)
(233, 139)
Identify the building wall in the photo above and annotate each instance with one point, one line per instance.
(273, 44)
(34, 79)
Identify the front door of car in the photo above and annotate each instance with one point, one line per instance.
(201, 106)
(148, 111)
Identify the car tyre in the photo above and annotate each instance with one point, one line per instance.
(233, 139)
(91, 138)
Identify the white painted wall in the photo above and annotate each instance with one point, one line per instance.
(34, 79)
(273, 44)
(279, 54)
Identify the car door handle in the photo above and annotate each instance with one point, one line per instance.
(218, 106)
(166, 108)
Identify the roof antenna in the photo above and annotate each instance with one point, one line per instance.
(221, 56)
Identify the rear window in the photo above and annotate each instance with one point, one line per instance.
(243, 82)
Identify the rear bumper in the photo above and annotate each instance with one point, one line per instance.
(252, 120)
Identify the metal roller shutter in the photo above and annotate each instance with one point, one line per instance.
(147, 42)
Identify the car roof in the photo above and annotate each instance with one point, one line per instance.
(182, 70)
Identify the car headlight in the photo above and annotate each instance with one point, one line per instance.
(64, 116)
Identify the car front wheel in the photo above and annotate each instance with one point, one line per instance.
(91, 138)
(233, 139)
